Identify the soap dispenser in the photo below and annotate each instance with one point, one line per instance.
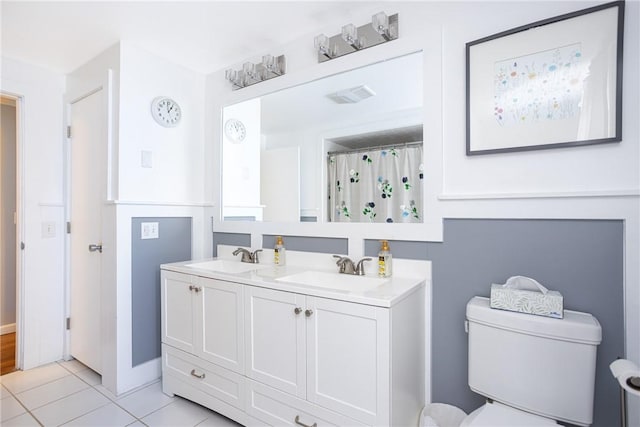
(384, 260)
(279, 252)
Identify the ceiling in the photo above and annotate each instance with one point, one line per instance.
(204, 36)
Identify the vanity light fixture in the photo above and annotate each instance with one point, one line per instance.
(251, 73)
(381, 29)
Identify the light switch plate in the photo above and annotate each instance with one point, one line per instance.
(149, 230)
(146, 160)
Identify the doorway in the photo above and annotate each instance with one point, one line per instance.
(8, 232)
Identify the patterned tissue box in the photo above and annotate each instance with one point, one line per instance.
(549, 303)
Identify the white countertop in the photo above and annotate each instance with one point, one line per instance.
(409, 276)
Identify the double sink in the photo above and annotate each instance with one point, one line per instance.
(322, 279)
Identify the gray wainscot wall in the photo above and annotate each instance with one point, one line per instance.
(172, 245)
(583, 259)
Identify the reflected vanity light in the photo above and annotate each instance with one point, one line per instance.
(251, 73)
(381, 29)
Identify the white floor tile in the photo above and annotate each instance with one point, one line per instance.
(180, 413)
(217, 420)
(102, 389)
(4, 392)
(47, 393)
(9, 408)
(70, 407)
(89, 376)
(145, 401)
(110, 415)
(73, 365)
(24, 420)
(20, 381)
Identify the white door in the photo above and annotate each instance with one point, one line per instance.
(219, 321)
(87, 195)
(275, 339)
(348, 359)
(280, 184)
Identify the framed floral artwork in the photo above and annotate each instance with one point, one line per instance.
(550, 84)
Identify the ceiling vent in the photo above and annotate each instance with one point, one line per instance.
(351, 95)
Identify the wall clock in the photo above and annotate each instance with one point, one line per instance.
(166, 111)
(235, 130)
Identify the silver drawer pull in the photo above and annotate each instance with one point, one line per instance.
(297, 420)
(308, 312)
(193, 373)
(297, 310)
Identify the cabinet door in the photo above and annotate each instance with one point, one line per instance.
(177, 311)
(348, 359)
(275, 339)
(218, 323)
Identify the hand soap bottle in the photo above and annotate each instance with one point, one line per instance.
(279, 252)
(384, 260)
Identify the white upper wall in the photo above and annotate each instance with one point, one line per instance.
(177, 168)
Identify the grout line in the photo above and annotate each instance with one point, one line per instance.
(21, 404)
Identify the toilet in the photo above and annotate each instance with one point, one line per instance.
(533, 370)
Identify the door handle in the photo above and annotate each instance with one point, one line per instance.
(94, 248)
(297, 310)
(308, 312)
(300, 423)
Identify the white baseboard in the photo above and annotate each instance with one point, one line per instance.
(7, 329)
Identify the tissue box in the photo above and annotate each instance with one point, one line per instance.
(549, 304)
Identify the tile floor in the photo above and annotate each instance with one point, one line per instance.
(70, 394)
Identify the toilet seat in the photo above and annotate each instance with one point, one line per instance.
(498, 415)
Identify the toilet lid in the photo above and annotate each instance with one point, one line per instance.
(499, 415)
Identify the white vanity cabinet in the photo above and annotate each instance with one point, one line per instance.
(264, 355)
(331, 353)
(204, 317)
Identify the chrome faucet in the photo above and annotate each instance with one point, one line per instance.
(346, 266)
(248, 256)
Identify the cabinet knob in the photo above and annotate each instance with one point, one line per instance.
(300, 423)
(297, 310)
(195, 288)
(308, 312)
(193, 373)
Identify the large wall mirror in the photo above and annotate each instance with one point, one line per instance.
(345, 148)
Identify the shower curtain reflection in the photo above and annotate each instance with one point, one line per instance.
(382, 184)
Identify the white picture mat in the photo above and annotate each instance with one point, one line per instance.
(597, 33)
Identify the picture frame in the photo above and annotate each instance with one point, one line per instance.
(551, 84)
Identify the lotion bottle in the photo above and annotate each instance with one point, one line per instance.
(384, 260)
(279, 252)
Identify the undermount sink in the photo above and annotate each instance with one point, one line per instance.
(224, 266)
(343, 282)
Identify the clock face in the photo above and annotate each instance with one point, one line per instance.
(235, 130)
(166, 111)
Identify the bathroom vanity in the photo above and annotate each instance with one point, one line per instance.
(294, 345)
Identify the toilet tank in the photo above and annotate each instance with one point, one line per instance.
(538, 364)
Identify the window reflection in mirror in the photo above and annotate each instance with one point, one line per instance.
(277, 149)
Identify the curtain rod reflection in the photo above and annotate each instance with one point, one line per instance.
(376, 147)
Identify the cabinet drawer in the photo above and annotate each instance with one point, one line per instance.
(276, 408)
(207, 377)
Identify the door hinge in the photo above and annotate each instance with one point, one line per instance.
(68, 322)
(68, 227)
(68, 131)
